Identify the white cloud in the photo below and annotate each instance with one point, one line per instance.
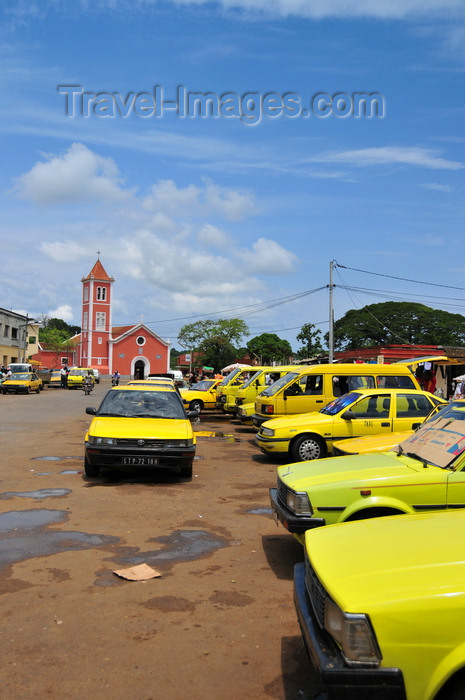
(437, 187)
(64, 312)
(210, 235)
(390, 155)
(165, 196)
(64, 252)
(79, 175)
(270, 258)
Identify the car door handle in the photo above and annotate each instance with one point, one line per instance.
(321, 401)
(385, 425)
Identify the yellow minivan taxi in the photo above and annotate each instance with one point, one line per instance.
(313, 386)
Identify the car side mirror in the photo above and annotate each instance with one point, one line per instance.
(91, 410)
(349, 415)
(286, 393)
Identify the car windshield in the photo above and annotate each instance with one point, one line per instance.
(279, 383)
(77, 372)
(255, 375)
(439, 441)
(340, 403)
(230, 376)
(142, 404)
(20, 377)
(204, 385)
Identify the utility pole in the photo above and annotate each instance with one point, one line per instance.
(331, 314)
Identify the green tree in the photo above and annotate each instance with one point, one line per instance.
(57, 341)
(269, 348)
(310, 337)
(398, 322)
(193, 335)
(216, 352)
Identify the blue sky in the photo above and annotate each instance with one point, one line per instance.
(208, 217)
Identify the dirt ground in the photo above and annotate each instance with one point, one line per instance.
(218, 623)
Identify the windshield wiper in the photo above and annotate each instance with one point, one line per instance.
(421, 459)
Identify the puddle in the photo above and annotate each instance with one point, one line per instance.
(71, 471)
(42, 493)
(23, 536)
(260, 511)
(182, 545)
(52, 459)
(215, 434)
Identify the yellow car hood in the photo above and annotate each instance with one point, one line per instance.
(372, 443)
(141, 428)
(301, 476)
(380, 562)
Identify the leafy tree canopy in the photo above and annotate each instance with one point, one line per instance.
(216, 352)
(51, 326)
(194, 334)
(310, 337)
(398, 322)
(269, 348)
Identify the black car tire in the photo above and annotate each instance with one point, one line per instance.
(196, 405)
(38, 390)
(308, 447)
(91, 470)
(28, 390)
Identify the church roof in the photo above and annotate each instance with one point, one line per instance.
(98, 272)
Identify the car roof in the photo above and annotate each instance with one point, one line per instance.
(145, 387)
(391, 390)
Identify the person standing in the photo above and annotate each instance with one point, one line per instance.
(64, 377)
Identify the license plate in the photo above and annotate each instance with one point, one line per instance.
(140, 461)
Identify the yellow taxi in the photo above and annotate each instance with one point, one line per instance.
(22, 383)
(363, 412)
(76, 376)
(201, 395)
(55, 378)
(138, 427)
(388, 441)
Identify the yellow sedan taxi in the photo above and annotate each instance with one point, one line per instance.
(201, 395)
(137, 427)
(363, 412)
(388, 441)
(76, 376)
(22, 383)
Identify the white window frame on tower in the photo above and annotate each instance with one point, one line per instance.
(100, 320)
(101, 293)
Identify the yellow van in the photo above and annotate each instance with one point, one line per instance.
(235, 378)
(311, 387)
(263, 377)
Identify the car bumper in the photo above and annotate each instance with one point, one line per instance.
(296, 524)
(273, 445)
(330, 673)
(136, 458)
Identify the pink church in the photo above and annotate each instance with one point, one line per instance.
(134, 351)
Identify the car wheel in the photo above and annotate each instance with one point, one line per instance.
(3, 391)
(186, 472)
(196, 405)
(308, 447)
(28, 390)
(38, 390)
(91, 470)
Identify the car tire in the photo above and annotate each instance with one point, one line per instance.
(38, 390)
(3, 391)
(307, 447)
(28, 390)
(91, 470)
(196, 405)
(186, 472)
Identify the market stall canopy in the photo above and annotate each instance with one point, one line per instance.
(236, 365)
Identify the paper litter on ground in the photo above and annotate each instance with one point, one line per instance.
(142, 572)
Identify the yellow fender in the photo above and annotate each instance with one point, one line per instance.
(366, 502)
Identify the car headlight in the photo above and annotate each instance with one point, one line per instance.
(179, 443)
(299, 503)
(354, 635)
(94, 440)
(268, 432)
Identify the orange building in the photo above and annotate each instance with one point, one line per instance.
(134, 351)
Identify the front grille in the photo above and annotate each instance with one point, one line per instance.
(282, 492)
(157, 443)
(316, 592)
